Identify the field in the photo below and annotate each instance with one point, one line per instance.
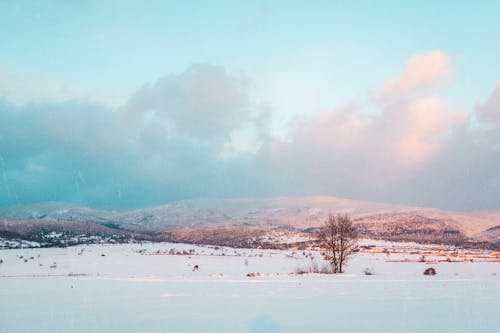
(157, 288)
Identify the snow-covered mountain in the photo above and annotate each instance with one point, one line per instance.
(298, 212)
(301, 211)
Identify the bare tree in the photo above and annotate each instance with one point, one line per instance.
(338, 237)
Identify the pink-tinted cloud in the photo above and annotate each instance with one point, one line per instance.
(339, 130)
(393, 144)
(423, 71)
(420, 129)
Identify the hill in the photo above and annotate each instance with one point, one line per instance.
(301, 214)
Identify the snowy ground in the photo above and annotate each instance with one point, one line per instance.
(143, 288)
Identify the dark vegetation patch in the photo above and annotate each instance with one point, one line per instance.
(65, 233)
(495, 228)
(112, 225)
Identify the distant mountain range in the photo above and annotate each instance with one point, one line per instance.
(378, 220)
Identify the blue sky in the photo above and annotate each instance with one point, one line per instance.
(118, 47)
(264, 73)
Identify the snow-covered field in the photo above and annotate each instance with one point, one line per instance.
(144, 288)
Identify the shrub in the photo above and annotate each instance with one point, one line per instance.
(430, 271)
(314, 268)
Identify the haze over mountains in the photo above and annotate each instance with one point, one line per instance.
(303, 211)
(378, 220)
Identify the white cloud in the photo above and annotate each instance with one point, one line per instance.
(203, 102)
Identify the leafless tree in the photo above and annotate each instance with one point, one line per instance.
(338, 238)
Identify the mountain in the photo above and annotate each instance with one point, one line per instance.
(57, 211)
(303, 211)
(377, 220)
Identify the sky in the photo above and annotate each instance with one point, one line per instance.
(139, 103)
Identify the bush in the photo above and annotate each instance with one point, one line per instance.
(314, 268)
(430, 271)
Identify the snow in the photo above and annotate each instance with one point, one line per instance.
(143, 288)
(17, 243)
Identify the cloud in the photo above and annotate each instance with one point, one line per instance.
(201, 133)
(350, 152)
(164, 144)
(423, 71)
(392, 143)
(490, 110)
(393, 154)
(203, 102)
(20, 87)
(416, 131)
